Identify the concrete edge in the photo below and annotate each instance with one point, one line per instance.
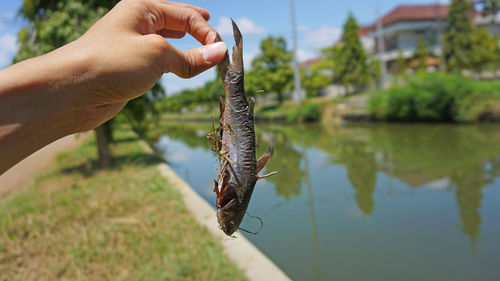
(242, 252)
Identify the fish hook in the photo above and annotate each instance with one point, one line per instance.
(261, 225)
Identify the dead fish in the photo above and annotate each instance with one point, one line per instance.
(234, 142)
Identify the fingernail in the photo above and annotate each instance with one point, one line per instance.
(212, 35)
(213, 52)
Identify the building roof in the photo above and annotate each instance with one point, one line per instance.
(415, 13)
(411, 13)
(309, 62)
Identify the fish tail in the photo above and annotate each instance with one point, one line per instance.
(238, 48)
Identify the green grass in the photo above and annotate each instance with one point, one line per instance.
(309, 110)
(80, 223)
(437, 97)
(201, 115)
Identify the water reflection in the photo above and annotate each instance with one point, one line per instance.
(288, 181)
(415, 154)
(312, 212)
(458, 161)
(469, 184)
(359, 160)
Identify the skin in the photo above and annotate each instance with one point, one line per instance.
(86, 82)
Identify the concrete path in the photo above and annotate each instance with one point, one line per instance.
(22, 175)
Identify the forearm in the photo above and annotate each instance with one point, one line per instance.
(37, 107)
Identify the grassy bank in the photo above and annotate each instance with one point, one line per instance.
(80, 223)
(438, 97)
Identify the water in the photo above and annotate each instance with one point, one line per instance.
(367, 202)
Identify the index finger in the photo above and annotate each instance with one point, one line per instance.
(184, 19)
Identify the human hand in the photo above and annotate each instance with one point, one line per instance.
(88, 81)
(125, 53)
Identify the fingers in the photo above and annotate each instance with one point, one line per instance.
(182, 18)
(189, 63)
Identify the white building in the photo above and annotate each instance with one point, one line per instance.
(402, 27)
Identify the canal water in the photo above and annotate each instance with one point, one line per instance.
(366, 202)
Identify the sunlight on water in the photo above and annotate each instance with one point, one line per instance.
(372, 202)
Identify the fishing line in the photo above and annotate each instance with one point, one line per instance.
(250, 232)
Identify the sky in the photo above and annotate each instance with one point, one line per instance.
(319, 24)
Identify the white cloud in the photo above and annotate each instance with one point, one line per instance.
(8, 48)
(7, 16)
(4, 60)
(248, 58)
(324, 36)
(8, 43)
(304, 55)
(246, 26)
(302, 28)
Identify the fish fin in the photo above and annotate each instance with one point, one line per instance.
(264, 159)
(238, 48)
(266, 175)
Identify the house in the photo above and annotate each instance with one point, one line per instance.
(402, 27)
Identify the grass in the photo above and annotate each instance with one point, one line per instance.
(193, 115)
(288, 111)
(80, 223)
(437, 97)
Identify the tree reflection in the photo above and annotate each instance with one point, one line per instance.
(469, 194)
(190, 133)
(286, 160)
(361, 167)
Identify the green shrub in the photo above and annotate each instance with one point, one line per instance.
(304, 113)
(435, 97)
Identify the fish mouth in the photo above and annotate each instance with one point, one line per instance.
(226, 219)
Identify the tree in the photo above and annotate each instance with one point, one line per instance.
(313, 81)
(421, 53)
(352, 67)
(272, 67)
(52, 24)
(330, 57)
(208, 94)
(401, 64)
(490, 7)
(485, 52)
(457, 39)
(374, 71)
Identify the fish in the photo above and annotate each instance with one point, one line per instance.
(234, 143)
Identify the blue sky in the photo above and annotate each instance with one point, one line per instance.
(319, 24)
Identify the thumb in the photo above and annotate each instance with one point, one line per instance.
(189, 63)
